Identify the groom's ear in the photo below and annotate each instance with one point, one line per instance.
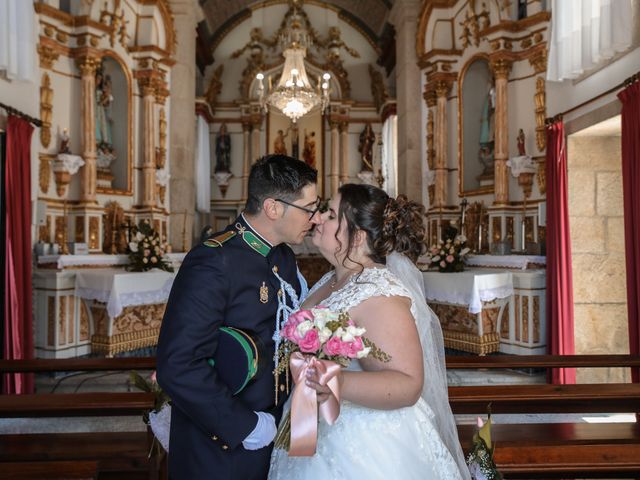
(270, 208)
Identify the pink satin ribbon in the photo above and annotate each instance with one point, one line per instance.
(304, 405)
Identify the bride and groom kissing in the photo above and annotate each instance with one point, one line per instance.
(395, 420)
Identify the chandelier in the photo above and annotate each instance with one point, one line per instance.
(294, 95)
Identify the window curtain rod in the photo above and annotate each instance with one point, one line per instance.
(12, 111)
(633, 78)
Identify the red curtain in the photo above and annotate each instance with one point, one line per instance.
(18, 340)
(630, 98)
(560, 338)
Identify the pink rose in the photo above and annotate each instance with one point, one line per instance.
(442, 264)
(333, 346)
(154, 377)
(450, 258)
(300, 316)
(289, 331)
(310, 343)
(351, 349)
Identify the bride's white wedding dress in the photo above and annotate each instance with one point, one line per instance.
(417, 442)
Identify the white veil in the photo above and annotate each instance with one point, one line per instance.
(434, 391)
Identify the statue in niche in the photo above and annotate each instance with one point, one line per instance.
(367, 139)
(279, 147)
(520, 140)
(223, 150)
(295, 149)
(309, 148)
(103, 101)
(487, 132)
(64, 142)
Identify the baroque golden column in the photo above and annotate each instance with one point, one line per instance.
(442, 89)
(501, 66)
(344, 151)
(87, 63)
(431, 101)
(147, 83)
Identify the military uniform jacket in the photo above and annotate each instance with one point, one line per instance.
(227, 281)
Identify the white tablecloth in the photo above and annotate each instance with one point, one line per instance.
(65, 261)
(505, 261)
(471, 287)
(118, 288)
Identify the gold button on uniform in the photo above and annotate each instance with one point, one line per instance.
(225, 447)
(275, 269)
(282, 388)
(214, 438)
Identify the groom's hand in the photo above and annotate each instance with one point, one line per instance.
(263, 433)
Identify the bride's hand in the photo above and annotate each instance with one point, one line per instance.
(323, 392)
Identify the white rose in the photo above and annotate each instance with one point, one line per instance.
(462, 238)
(139, 237)
(145, 260)
(363, 353)
(324, 334)
(452, 250)
(356, 331)
(323, 315)
(133, 246)
(464, 251)
(304, 327)
(436, 258)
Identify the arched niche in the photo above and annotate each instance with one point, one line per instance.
(476, 127)
(113, 119)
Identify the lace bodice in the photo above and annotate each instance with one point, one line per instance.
(372, 282)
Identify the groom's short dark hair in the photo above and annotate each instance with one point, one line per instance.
(277, 176)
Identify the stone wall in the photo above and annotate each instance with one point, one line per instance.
(597, 243)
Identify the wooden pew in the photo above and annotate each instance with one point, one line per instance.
(116, 455)
(60, 470)
(554, 450)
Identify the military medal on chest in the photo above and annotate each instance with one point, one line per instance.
(264, 293)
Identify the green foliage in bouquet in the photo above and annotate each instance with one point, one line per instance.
(145, 250)
(480, 460)
(448, 256)
(150, 385)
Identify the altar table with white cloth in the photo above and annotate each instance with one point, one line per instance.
(485, 310)
(125, 308)
(470, 306)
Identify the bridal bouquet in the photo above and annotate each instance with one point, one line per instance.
(325, 341)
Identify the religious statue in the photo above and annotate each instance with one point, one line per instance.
(367, 139)
(309, 148)
(64, 142)
(104, 139)
(521, 149)
(223, 150)
(487, 131)
(279, 147)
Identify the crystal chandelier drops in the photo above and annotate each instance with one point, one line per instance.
(294, 95)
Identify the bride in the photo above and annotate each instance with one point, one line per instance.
(395, 420)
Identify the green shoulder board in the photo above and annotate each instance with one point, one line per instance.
(217, 241)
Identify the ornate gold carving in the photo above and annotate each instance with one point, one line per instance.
(431, 152)
(526, 43)
(500, 67)
(62, 321)
(49, 31)
(44, 172)
(82, 40)
(510, 232)
(84, 322)
(62, 37)
(542, 177)
(536, 319)
(136, 327)
(161, 193)
(114, 239)
(51, 320)
(47, 55)
(538, 37)
(525, 180)
(62, 177)
(539, 61)
(87, 64)
(215, 87)
(473, 24)
(59, 230)
(496, 230)
(116, 23)
(541, 112)
(44, 231)
(378, 88)
(46, 106)
(525, 318)
(508, 45)
(94, 233)
(442, 88)
(161, 152)
(94, 41)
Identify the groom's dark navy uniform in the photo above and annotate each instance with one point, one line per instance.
(227, 281)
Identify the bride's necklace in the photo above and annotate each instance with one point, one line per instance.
(334, 281)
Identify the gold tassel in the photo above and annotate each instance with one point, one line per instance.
(283, 436)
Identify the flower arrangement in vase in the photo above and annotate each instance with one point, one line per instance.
(145, 250)
(449, 255)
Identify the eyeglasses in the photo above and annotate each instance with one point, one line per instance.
(311, 211)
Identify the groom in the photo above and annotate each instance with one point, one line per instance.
(229, 281)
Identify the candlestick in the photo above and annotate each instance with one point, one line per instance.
(65, 247)
(480, 238)
(524, 232)
(114, 250)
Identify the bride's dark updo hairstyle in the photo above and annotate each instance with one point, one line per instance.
(392, 225)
